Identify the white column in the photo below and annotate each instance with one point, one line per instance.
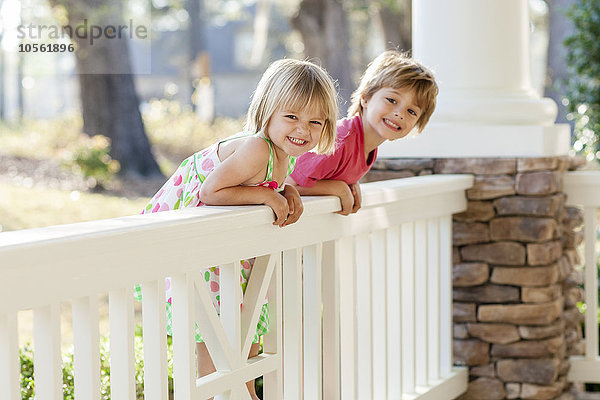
(487, 107)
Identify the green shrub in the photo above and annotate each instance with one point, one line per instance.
(583, 84)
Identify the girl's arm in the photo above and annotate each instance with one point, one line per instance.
(246, 165)
(330, 187)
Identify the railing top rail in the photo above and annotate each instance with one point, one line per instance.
(582, 187)
(94, 257)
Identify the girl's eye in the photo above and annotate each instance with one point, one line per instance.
(412, 112)
(392, 101)
(290, 116)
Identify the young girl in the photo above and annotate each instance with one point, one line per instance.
(395, 95)
(293, 110)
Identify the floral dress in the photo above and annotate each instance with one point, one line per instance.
(182, 190)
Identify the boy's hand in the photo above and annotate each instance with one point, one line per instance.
(294, 204)
(346, 198)
(280, 207)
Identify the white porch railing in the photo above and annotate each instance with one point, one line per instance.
(360, 305)
(583, 189)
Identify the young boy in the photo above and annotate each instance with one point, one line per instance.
(395, 95)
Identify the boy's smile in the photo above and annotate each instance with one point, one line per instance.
(389, 114)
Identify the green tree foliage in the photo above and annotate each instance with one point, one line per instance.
(583, 84)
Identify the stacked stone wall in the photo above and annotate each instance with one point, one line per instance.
(516, 273)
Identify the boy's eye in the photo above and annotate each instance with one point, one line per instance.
(392, 101)
(316, 122)
(412, 112)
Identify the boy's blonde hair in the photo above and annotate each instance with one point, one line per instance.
(295, 85)
(397, 70)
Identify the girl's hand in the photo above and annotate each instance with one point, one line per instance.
(355, 189)
(280, 207)
(294, 203)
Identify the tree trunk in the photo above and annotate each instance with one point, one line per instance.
(560, 27)
(396, 18)
(109, 101)
(323, 27)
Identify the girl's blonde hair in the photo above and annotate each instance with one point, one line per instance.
(397, 70)
(295, 85)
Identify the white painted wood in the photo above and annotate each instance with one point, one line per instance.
(591, 283)
(379, 313)
(433, 300)
(445, 296)
(331, 322)
(292, 324)
(273, 341)
(421, 328)
(451, 387)
(363, 326)
(47, 362)
(86, 348)
(345, 270)
(184, 343)
(231, 298)
(312, 275)
(155, 340)
(10, 381)
(394, 314)
(408, 307)
(582, 187)
(122, 358)
(584, 369)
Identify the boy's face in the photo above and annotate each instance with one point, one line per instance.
(390, 114)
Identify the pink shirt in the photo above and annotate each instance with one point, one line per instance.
(347, 163)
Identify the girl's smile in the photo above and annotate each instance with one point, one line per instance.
(295, 132)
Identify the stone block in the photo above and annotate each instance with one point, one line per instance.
(573, 295)
(486, 187)
(539, 183)
(484, 389)
(543, 253)
(525, 276)
(384, 175)
(572, 217)
(459, 331)
(477, 166)
(548, 206)
(575, 277)
(538, 392)
(565, 268)
(463, 312)
(504, 253)
(470, 352)
(524, 229)
(477, 211)
(520, 314)
(540, 294)
(470, 233)
(487, 370)
(494, 333)
(572, 239)
(470, 274)
(537, 164)
(573, 256)
(573, 317)
(513, 390)
(542, 332)
(528, 348)
(399, 164)
(487, 294)
(455, 255)
(540, 371)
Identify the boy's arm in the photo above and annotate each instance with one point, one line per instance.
(329, 187)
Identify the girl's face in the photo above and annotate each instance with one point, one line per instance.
(390, 113)
(295, 132)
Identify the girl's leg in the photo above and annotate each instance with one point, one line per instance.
(206, 366)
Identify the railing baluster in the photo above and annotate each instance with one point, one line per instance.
(313, 373)
(379, 310)
(86, 345)
(155, 340)
(394, 314)
(408, 310)
(184, 366)
(421, 277)
(292, 333)
(591, 283)
(445, 295)
(363, 317)
(345, 267)
(433, 299)
(122, 359)
(10, 382)
(273, 341)
(47, 358)
(331, 322)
